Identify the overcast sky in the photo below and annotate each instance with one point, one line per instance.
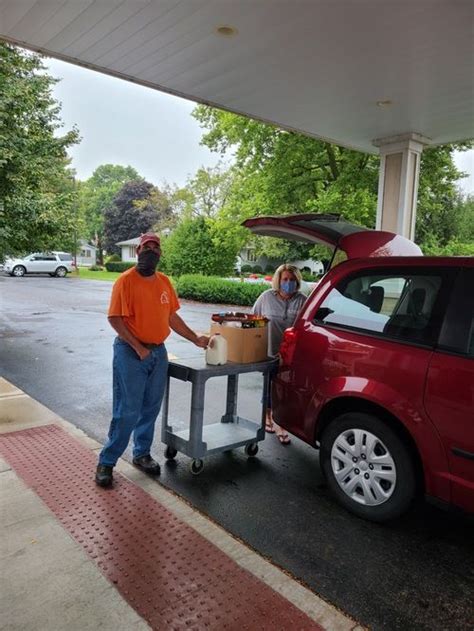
(124, 123)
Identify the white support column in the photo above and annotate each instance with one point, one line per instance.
(398, 182)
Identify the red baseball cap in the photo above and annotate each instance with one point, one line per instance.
(149, 236)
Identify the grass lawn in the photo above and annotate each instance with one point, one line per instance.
(84, 272)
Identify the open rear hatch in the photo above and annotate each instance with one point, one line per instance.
(333, 231)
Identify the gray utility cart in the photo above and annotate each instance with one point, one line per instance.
(231, 431)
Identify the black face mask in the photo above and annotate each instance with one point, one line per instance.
(147, 262)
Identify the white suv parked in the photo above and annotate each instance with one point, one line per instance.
(52, 263)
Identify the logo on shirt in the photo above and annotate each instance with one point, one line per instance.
(165, 298)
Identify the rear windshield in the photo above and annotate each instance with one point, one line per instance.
(339, 256)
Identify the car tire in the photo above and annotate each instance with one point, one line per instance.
(61, 272)
(19, 271)
(368, 467)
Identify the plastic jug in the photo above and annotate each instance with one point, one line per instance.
(216, 352)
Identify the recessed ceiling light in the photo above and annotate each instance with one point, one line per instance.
(385, 103)
(226, 31)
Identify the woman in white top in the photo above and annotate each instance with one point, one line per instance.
(280, 305)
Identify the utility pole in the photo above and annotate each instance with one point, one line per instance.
(75, 222)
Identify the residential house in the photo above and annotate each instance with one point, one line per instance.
(128, 249)
(86, 254)
(247, 256)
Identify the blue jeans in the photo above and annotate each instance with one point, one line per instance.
(138, 388)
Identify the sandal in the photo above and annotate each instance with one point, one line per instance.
(269, 427)
(284, 438)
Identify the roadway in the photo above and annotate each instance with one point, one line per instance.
(415, 573)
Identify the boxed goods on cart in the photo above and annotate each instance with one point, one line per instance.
(246, 335)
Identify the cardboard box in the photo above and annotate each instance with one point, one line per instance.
(244, 346)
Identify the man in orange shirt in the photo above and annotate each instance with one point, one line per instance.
(142, 310)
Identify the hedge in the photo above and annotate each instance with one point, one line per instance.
(216, 290)
(119, 266)
(308, 276)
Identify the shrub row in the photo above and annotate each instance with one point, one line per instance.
(257, 269)
(118, 266)
(216, 290)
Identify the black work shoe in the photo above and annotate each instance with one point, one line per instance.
(147, 464)
(103, 475)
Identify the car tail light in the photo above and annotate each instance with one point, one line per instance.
(288, 346)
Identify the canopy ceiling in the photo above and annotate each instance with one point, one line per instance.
(319, 67)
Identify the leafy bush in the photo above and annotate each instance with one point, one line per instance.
(119, 266)
(198, 246)
(113, 258)
(245, 269)
(270, 269)
(454, 248)
(216, 290)
(308, 276)
(96, 268)
(256, 269)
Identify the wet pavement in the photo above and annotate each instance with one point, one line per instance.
(417, 572)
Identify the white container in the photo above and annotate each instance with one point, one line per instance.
(216, 352)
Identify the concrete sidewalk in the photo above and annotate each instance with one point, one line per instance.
(78, 557)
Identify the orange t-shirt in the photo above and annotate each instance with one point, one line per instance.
(145, 304)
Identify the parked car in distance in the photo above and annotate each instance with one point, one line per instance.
(378, 369)
(52, 263)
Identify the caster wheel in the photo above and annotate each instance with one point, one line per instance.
(170, 453)
(251, 450)
(196, 466)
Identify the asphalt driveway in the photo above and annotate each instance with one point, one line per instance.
(416, 573)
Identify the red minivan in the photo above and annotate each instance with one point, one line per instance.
(378, 369)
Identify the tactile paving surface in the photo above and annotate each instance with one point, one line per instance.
(173, 577)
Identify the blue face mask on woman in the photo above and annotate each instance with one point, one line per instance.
(288, 286)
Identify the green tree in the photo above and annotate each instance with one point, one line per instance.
(36, 192)
(131, 213)
(458, 233)
(96, 195)
(210, 188)
(197, 246)
(291, 169)
(204, 194)
(281, 172)
(440, 204)
(466, 219)
(159, 201)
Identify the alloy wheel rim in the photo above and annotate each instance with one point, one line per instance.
(363, 467)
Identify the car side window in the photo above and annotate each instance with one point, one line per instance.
(392, 304)
(457, 332)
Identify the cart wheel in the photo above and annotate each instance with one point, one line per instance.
(251, 449)
(170, 453)
(196, 466)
